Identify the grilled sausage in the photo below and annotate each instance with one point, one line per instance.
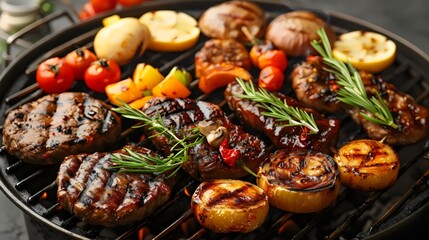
(283, 137)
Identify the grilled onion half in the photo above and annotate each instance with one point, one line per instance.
(302, 181)
(367, 165)
(225, 205)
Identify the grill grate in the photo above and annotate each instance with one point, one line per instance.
(350, 217)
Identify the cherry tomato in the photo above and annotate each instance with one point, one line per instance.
(102, 73)
(127, 3)
(87, 11)
(80, 59)
(257, 50)
(275, 57)
(271, 78)
(54, 75)
(103, 5)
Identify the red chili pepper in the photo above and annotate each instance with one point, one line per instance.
(229, 156)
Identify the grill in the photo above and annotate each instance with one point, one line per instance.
(355, 215)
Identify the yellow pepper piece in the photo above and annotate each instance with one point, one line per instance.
(171, 87)
(122, 91)
(146, 77)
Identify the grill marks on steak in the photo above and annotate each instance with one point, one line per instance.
(57, 125)
(412, 119)
(104, 197)
(283, 137)
(205, 161)
(316, 88)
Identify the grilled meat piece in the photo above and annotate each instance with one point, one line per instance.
(57, 125)
(221, 51)
(205, 161)
(226, 19)
(283, 137)
(314, 86)
(105, 197)
(412, 119)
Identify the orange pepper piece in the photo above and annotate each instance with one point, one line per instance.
(139, 103)
(221, 75)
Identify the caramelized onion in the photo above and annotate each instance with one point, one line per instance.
(226, 205)
(302, 181)
(367, 165)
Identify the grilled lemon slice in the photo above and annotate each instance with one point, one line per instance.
(171, 31)
(366, 51)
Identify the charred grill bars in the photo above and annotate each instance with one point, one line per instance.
(32, 188)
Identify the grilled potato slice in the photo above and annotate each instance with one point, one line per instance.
(226, 205)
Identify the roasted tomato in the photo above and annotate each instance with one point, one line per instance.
(54, 75)
(258, 49)
(103, 5)
(87, 11)
(274, 57)
(79, 60)
(102, 73)
(127, 3)
(271, 78)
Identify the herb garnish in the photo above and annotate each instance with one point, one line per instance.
(352, 90)
(136, 162)
(278, 109)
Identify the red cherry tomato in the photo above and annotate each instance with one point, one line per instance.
(127, 3)
(79, 60)
(257, 50)
(102, 73)
(271, 78)
(103, 5)
(275, 57)
(54, 75)
(87, 11)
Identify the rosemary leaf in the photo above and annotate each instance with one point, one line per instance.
(352, 91)
(142, 163)
(278, 109)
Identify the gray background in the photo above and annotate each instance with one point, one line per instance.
(408, 19)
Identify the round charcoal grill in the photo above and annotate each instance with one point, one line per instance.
(361, 215)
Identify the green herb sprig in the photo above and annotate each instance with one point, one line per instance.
(278, 109)
(137, 162)
(352, 91)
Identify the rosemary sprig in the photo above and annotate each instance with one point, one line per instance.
(136, 162)
(278, 109)
(352, 91)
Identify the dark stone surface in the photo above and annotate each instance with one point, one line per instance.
(408, 19)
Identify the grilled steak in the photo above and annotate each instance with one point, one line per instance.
(216, 52)
(104, 197)
(57, 125)
(283, 137)
(412, 119)
(314, 86)
(205, 161)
